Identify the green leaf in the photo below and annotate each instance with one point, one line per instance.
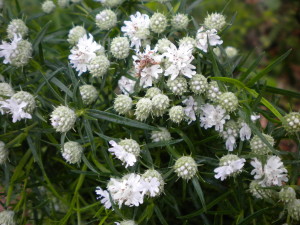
(62, 87)
(160, 216)
(291, 94)
(119, 119)
(199, 191)
(208, 206)
(251, 68)
(89, 132)
(268, 68)
(248, 219)
(163, 143)
(264, 101)
(186, 139)
(40, 36)
(88, 164)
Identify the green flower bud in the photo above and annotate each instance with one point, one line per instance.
(88, 93)
(99, 66)
(178, 86)
(259, 147)
(63, 119)
(158, 23)
(198, 84)
(176, 114)
(160, 103)
(106, 19)
(120, 47)
(17, 26)
(228, 101)
(185, 167)
(143, 109)
(48, 6)
(72, 152)
(122, 104)
(180, 22)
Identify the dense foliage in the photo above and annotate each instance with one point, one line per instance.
(126, 110)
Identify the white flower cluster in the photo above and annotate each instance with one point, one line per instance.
(21, 106)
(83, 53)
(130, 190)
(271, 173)
(230, 165)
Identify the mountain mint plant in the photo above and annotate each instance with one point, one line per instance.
(139, 112)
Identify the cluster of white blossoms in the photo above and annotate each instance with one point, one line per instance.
(165, 89)
(17, 52)
(147, 66)
(137, 29)
(230, 165)
(271, 173)
(130, 190)
(126, 150)
(83, 53)
(20, 105)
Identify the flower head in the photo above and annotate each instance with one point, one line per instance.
(63, 119)
(128, 191)
(185, 167)
(215, 21)
(106, 19)
(190, 109)
(104, 196)
(48, 6)
(230, 165)
(83, 53)
(126, 152)
(272, 173)
(17, 52)
(75, 34)
(126, 85)
(17, 26)
(213, 116)
(207, 37)
(72, 152)
(179, 61)
(162, 135)
(137, 29)
(120, 47)
(7, 217)
(147, 66)
(12, 106)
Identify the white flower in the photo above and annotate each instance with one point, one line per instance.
(104, 196)
(255, 117)
(8, 50)
(12, 106)
(191, 107)
(180, 61)
(230, 143)
(120, 153)
(151, 187)
(126, 85)
(272, 173)
(245, 132)
(213, 116)
(137, 29)
(205, 37)
(222, 172)
(83, 53)
(147, 66)
(127, 191)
